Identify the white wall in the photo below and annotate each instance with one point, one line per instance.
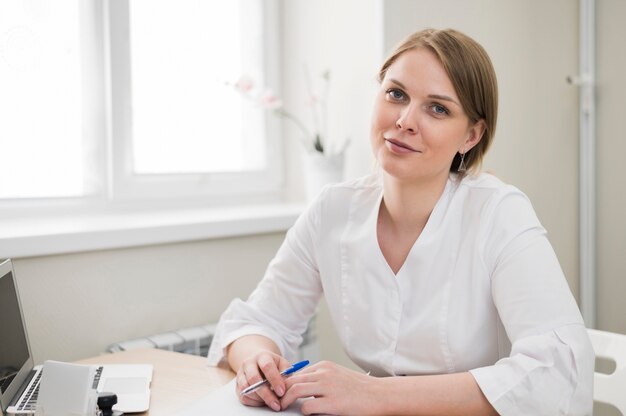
(611, 156)
(76, 305)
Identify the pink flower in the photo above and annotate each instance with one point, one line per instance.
(269, 100)
(244, 84)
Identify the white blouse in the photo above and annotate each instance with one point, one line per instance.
(481, 291)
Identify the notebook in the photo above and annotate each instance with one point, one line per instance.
(19, 378)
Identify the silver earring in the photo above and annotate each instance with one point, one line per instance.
(462, 167)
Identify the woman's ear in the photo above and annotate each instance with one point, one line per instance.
(476, 132)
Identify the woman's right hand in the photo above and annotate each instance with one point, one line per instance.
(268, 365)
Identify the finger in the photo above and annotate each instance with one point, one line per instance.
(251, 373)
(314, 406)
(271, 372)
(301, 390)
(264, 393)
(300, 378)
(248, 400)
(251, 401)
(242, 381)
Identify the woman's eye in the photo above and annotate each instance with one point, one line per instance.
(395, 94)
(439, 109)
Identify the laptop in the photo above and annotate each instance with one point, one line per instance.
(19, 378)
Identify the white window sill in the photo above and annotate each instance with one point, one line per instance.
(27, 237)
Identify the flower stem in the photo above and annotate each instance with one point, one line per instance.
(318, 145)
(283, 113)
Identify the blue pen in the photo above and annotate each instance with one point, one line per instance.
(284, 373)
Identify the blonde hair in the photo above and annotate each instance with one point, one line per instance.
(469, 68)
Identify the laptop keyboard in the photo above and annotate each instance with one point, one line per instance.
(30, 397)
(96, 378)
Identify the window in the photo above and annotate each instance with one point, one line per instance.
(40, 104)
(174, 121)
(128, 100)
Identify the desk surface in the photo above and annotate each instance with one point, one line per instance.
(178, 379)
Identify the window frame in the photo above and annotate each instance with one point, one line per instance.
(125, 185)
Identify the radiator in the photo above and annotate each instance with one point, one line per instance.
(197, 340)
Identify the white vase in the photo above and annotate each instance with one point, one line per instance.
(321, 170)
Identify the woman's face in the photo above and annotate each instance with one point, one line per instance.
(418, 124)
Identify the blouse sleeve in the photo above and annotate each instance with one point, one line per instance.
(550, 367)
(282, 304)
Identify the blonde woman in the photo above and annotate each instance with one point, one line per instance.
(439, 279)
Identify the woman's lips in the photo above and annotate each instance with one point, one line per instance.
(397, 146)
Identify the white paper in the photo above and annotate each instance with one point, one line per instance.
(224, 401)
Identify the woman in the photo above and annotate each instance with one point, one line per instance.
(431, 270)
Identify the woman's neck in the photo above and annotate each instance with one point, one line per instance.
(410, 204)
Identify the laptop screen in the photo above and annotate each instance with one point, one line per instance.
(14, 352)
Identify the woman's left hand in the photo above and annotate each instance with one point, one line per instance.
(331, 389)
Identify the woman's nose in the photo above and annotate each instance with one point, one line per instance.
(407, 120)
